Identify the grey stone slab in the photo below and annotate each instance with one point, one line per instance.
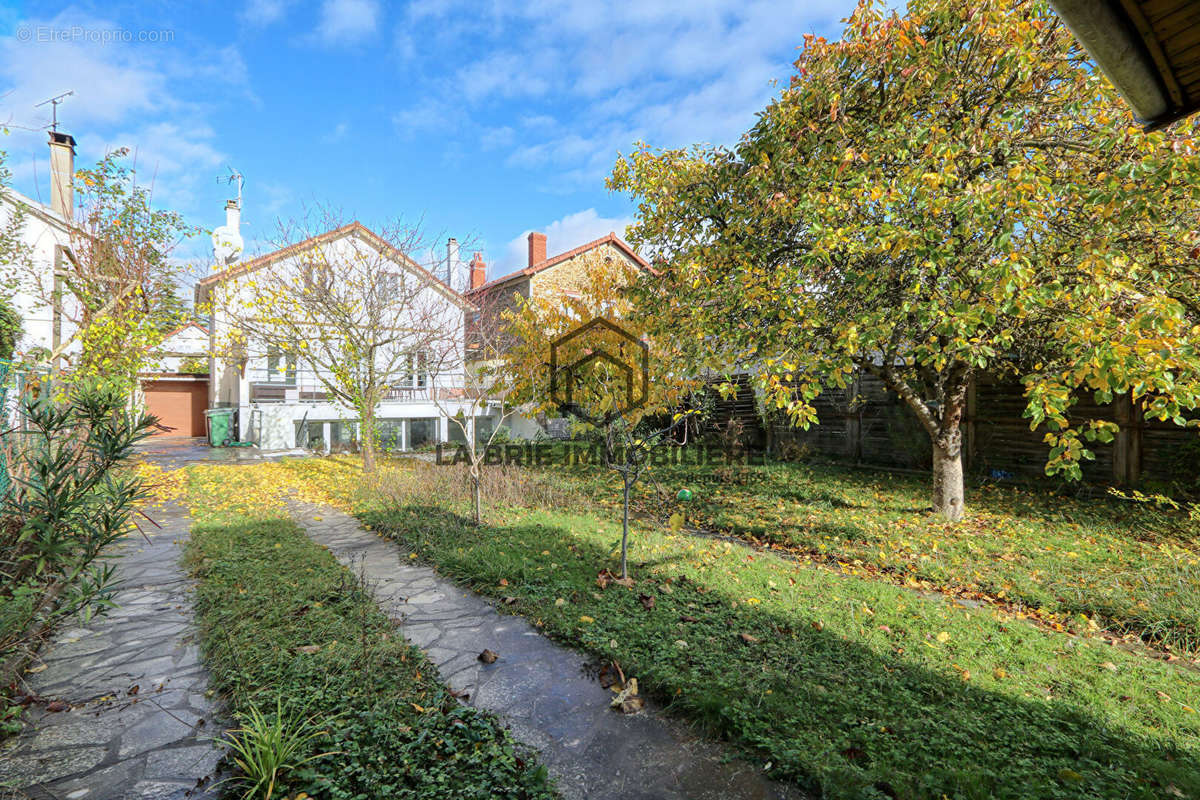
(101, 783)
(158, 731)
(68, 734)
(49, 766)
(191, 760)
(158, 790)
(102, 747)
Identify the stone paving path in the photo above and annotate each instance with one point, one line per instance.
(140, 722)
(540, 689)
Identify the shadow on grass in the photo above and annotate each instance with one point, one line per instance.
(830, 714)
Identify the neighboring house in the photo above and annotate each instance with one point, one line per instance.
(280, 400)
(183, 351)
(175, 389)
(562, 275)
(45, 236)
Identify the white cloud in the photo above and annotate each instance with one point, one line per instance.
(154, 99)
(425, 118)
(338, 133)
(109, 82)
(610, 74)
(503, 75)
(179, 163)
(496, 138)
(347, 21)
(261, 13)
(561, 235)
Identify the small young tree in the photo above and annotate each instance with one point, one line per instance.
(585, 355)
(69, 501)
(350, 307)
(940, 194)
(481, 406)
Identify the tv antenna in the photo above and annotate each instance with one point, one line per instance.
(234, 177)
(54, 101)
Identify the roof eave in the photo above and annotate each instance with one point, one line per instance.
(1112, 41)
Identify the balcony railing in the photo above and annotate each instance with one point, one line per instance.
(302, 386)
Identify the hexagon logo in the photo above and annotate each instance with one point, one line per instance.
(589, 348)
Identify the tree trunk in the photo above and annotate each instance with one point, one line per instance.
(948, 497)
(944, 428)
(475, 493)
(368, 455)
(625, 529)
(367, 431)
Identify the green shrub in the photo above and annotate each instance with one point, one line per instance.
(70, 498)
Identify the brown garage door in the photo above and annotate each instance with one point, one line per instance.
(179, 405)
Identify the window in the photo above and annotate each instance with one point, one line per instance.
(415, 374)
(317, 277)
(281, 366)
(390, 285)
(422, 370)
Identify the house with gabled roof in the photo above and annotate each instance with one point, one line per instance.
(43, 233)
(280, 399)
(561, 275)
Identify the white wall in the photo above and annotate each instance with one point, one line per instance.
(44, 233)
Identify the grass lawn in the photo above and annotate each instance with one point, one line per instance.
(280, 619)
(848, 684)
(1075, 563)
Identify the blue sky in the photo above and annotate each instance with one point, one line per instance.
(482, 119)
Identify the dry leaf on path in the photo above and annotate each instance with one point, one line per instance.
(627, 700)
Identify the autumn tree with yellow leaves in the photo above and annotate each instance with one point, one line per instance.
(116, 286)
(939, 194)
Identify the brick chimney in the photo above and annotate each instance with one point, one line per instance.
(478, 271)
(537, 248)
(62, 174)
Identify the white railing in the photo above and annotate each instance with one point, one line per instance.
(303, 386)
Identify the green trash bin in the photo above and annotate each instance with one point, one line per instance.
(220, 426)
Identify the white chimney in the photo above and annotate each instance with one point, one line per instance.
(62, 174)
(227, 239)
(452, 270)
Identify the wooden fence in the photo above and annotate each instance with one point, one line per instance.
(866, 424)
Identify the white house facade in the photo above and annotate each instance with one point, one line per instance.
(280, 399)
(44, 243)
